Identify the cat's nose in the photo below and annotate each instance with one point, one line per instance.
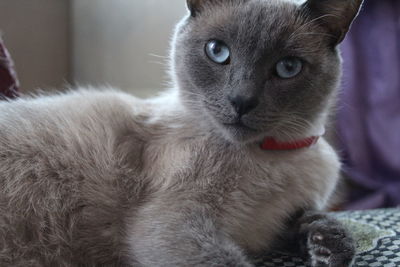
(242, 104)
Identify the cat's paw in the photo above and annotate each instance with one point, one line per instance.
(328, 243)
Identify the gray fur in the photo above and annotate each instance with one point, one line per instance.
(101, 178)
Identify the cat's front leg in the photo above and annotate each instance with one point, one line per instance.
(177, 232)
(326, 240)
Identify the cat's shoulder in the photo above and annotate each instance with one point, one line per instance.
(103, 114)
(76, 98)
(77, 104)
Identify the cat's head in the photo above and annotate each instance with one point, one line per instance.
(257, 68)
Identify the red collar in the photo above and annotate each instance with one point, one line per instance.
(271, 144)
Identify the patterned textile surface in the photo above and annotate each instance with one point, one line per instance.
(377, 233)
(8, 78)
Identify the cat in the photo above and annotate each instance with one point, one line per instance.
(228, 163)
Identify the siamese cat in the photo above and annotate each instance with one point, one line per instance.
(225, 164)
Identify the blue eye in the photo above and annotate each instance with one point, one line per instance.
(289, 67)
(218, 52)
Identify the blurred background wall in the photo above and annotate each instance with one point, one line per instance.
(122, 43)
(37, 34)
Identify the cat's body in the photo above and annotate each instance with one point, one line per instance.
(105, 179)
(121, 148)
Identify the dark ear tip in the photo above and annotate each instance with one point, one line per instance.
(193, 6)
(335, 15)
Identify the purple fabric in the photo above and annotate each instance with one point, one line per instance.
(8, 78)
(369, 115)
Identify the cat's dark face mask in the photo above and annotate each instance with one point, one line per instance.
(257, 68)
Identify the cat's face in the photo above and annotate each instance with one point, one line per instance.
(256, 68)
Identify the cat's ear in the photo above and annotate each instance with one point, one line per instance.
(196, 6)
(335, 15)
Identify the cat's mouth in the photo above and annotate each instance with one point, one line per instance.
(236, 129)
(239, 131)
(239, 125)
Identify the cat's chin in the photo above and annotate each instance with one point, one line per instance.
(239, 133)
(236, 133)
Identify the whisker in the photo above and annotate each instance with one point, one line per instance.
(158, 56)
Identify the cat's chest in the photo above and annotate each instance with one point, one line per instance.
(253, 192)
(274, 187)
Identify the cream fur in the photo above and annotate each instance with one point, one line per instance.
(86, 174)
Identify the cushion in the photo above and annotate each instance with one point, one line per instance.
(377, 234)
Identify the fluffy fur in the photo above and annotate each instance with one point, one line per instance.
(101, 178)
